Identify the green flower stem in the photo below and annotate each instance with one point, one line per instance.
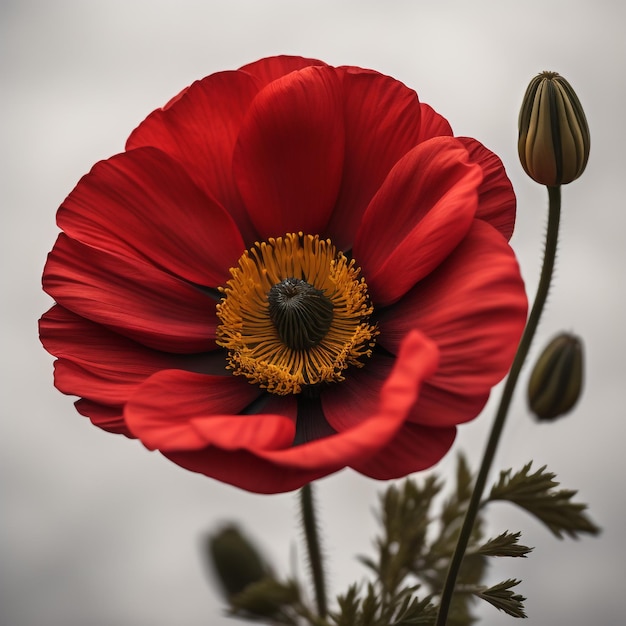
(554, 216)
(313, 548)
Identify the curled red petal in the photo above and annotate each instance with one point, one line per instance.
(175, 410)
(243, 468)
(135, 299)
(289, 156)
(416, 361)
(142, 204)
(266, 464)
(420, 214)
(496, 198)
(474, 307)
(199, 129)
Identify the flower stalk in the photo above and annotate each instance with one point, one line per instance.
(554, 216)
(316, 564)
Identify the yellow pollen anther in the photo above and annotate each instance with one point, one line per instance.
(265, 343)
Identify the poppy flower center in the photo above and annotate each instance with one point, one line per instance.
(301, 313)
(295, 313)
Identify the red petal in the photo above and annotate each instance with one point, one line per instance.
(199, 129)
(133, 298)
(271, 465)
(245, 470)
(347, 404)
(271, 68)
(474, 307)
(108, 418)
(289, 156)
(438, 406)
(382, 124)
(420, 214)
(241, 467)
(100, 365)
(496, 198)
(176, 410)
(416, 361)
(413, 449)
(141, 204)
(432, 124)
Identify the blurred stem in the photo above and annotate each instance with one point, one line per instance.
(554, 216)
(313, 547)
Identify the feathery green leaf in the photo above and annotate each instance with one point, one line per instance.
(503, 598)
(505, 544)
(536, 494)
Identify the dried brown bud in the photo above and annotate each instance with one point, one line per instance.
(554, 141)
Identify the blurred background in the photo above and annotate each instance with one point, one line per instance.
(97, 531)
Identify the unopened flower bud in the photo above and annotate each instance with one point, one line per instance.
(235, 560)
(554, 141)
(265, 598)
(557, 378)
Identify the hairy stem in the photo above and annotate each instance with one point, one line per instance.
(554, 216)
(313, 547)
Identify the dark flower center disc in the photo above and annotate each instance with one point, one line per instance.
(301, 313)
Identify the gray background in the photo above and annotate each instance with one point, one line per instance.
(95, 530)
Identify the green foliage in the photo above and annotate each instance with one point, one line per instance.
(267, 598)
(504, 545)
(416, 543)
(372, 609)
(503, 598)
(419, 528)
(536, 494)
(413, 553)
(349, 605)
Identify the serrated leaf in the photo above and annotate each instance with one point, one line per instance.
(416, 612)
(536, 494)
(503, 598)
(523, 484)
(349, 606)
(454, 507)
(464, 479)
(505, 544)
(405, 521)
(369, 607)
(368, 562)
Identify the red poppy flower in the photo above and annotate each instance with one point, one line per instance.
(293, 268)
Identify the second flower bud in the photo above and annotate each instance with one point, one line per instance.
(557, 378)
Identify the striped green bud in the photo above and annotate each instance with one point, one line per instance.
(557, 378)
(553, 141)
